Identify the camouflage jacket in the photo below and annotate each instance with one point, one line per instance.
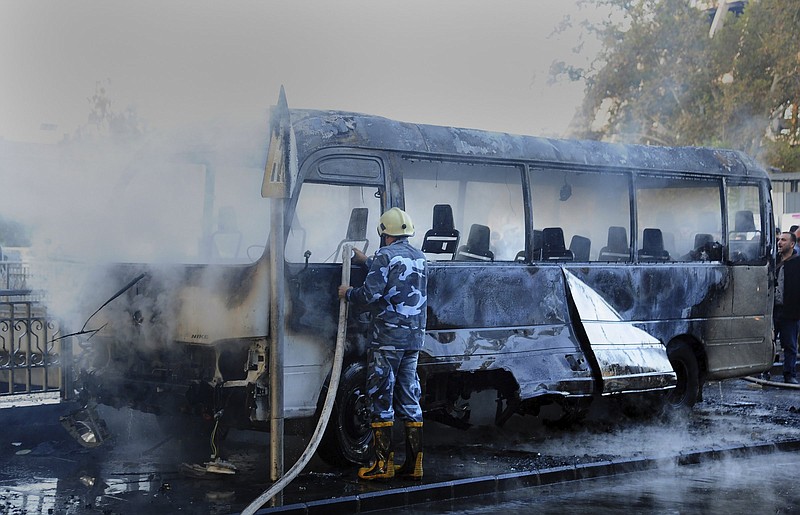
(396, 287)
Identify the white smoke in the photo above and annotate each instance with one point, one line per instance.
(185, 196)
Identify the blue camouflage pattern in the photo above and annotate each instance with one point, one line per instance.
(397, 288)
(393, 385)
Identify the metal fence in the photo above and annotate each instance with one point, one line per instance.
(32, 359)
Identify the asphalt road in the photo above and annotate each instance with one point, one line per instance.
(143, 469)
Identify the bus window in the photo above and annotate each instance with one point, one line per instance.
(485, 201)
(679, 219)
(321, 219)
(745, 225)
(591, 209)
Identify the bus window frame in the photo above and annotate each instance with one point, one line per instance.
(767, 225)
(722, 190)
(627, 174)
(522, 170)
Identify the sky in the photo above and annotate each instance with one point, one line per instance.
(184, 65)
(467, 63)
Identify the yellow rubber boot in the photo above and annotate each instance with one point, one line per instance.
(383, 466)
(412, 467)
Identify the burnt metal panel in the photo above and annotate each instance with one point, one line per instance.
(628, 358)
(695, 301)
(544, 360)
(504, 317)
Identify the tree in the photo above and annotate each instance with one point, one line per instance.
(660, 78)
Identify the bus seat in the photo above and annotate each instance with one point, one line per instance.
(580, 247)
(653, 246)
(617, 248)
(443, 237)
(705, 249)
(744, 241)
(701, 239)
(553, 248)
(477, 247)
(744, 222)
(356, 231)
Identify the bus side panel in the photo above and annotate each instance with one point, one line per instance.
(747, 349)
(627, 358)
(695, 300)
(511, 317)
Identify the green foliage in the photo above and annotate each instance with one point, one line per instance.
(782, 156)
(660, 78)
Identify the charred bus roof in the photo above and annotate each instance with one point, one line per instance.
(315, 130)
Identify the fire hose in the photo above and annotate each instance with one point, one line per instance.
(325, 415)
(767, 382)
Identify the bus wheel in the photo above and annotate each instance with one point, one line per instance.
(684, 362)
(347, 437)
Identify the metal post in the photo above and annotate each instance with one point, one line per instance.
(277, 315)
(276, 185)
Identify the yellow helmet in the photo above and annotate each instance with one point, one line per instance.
(396, 222)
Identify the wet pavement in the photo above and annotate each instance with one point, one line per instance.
(757, 484)
(142, 468)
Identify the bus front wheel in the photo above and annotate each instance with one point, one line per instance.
(347, 437)
(684, 363)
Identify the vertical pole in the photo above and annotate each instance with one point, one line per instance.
(276, 186)
(277, 315)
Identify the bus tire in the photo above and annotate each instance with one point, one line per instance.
(347, 437)
(684, 363)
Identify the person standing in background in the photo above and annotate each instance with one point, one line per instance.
(786, 315)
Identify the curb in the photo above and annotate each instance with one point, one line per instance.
(487, 485)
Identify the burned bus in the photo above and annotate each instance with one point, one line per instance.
(559, 272)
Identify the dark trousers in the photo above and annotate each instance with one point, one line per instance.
(786, 330)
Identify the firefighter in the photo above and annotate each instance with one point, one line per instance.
(396, 290)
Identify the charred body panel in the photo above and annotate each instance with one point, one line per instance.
(551, 334)
(519, 323)
(695, 302)
(627, 358)
(511, 330)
